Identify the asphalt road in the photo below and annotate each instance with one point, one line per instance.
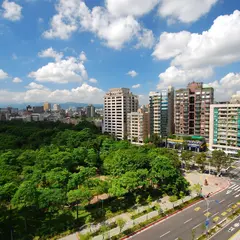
(181, 224)
(224, 234)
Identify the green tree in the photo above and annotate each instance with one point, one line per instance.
(186, 156)
(201, 159)
(121, 223)
(220, 159)
(196, 188)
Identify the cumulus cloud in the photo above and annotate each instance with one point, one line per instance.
(226, 87)
(17, 80)
(180, 77)
(84, 93)
(171, 45)
(130, 7)
(83, 56)
(115, 31)
(34, 85)
(66, 70)
(132, 73)
(50, 53)
(185, 11)
(136, 86)
(216, 47)
(93, 80)
(11, 11)
(3, 75)
(145, 39)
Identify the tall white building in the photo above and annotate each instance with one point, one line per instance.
(224, 132)
(118, 102)
(56, 107)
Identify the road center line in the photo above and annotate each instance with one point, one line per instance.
(188, 220)
(215, 214)
(197, 226)
(165, 234)
(222, 201)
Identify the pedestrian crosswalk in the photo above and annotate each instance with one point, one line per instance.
(234, 189)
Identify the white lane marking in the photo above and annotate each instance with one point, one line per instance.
(237, 195)
(229, 191)
(206, 210)
(197, 226)
(237, 188)
(232, 186)
(188, 220)
(165, 234)
(215, 214)
(230, 204)
(222, 201)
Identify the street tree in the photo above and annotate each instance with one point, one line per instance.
(201, 160)
(121, 223)
(220, 160)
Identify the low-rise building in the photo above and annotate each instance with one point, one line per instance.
(225, 128)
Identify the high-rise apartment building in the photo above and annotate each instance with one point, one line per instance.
(161, 110)
(118, 102)
(47, 106)
(56, 107)
(225, 127)
(90, 111)
(192, 109)
(138, 126)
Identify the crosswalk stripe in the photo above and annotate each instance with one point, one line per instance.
(232, 186)
(237, 188)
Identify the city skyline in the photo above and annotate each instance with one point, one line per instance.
(143, 46)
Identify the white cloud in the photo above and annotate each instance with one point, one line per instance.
(145, 39)
(50, 53)
(34, 85)
(171, 44)
(186, 11)
(83, 56)
(132, 73)
(93, 80)
(180, 77)
(12, 11)
(115, 31)
(216, 47)
(85, 93)
(226, 87)
(3, 75)
(40, 20)
(130, 7)
(14, 56)
(17, 80)
(136, 86)
(66, 70)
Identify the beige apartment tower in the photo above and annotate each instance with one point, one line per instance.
(225, 128)
(46, 106)
(138, 126)
(192, 110)
(118, 102)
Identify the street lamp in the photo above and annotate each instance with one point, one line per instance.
(207, 220)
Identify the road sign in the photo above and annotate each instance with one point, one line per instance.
(207, 222)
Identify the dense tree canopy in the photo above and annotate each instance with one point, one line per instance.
(50, 173)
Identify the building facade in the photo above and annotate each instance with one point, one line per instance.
(138, 126)
(192, 110)
(56, 107)
(161, 111)
(225, 128)
(47, 106)
(118, 102)
(90, 111)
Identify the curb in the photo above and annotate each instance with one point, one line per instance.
(170, 215)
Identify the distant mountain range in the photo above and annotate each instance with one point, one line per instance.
(63, 105)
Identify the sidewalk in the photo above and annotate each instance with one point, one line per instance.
(215, 185)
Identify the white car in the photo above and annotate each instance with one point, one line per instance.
(236, 225)
(231, 229)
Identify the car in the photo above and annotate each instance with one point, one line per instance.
(236, 225)
(231, 229)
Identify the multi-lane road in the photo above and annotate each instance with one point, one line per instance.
(191, 221)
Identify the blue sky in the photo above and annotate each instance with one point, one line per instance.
(75, 50)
